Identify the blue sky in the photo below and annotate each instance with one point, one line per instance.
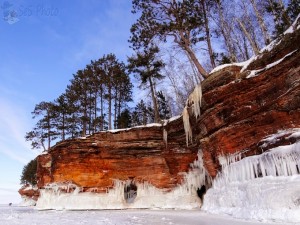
(42, 43)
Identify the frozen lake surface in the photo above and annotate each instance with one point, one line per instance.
(29, 216)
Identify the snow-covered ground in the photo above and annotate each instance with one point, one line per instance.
(29, 216)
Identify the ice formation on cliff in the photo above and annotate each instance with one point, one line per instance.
(187, 126)
(27, 201)
(281, 161)
(194, 101)
(184, 196)
(165, 136)
(262, 187)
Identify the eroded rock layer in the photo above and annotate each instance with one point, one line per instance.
(138, 154)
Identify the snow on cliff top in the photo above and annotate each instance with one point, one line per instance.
(165, 122)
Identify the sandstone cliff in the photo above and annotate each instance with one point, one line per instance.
(242, 104)
(138, 154)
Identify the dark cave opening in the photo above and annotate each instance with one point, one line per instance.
(201, 192)
(130, 192)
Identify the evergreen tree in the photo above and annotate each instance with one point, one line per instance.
(44, 128)
(206, 6)
(73, 119)
(62, 111)
(29, 173)
(140, 114)
(181, 20)
(163, 106)
(124, 119)
(280, 15)
(100, 88)
(146, 67)
(293, 9)
(79, 91)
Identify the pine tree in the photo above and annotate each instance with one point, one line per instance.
(117, 85)
(124, 119)
(293, 9)
(62, 111)
(280, 15)
(146, 67)
(163, 106)
(100, 88)
(79, 92)
(181, 20)
(205, 7)
(29, 173)
(140, 114)
(44, 128)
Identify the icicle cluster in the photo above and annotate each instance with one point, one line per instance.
(165, 136)
(187, 126)
(198, 175)
(194, 100)
(281, 161)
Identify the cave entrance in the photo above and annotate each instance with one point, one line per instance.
(201, 192)
(130, 192)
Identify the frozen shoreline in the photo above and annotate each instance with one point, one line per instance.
(29, 216)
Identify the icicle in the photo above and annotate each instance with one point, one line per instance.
(195, 99)
(165, 136)
(187, 126)
(280, 161)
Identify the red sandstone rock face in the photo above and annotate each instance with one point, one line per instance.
(29, 192)
(139, 154)
(236, 114)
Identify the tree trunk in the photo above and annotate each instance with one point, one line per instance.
(95, 113)
(115, 109)
(49, 137)
(185, 44)
(90, 112)
(226, 35)
(194, 59)
(261, 23)
(43, 145)
(84, 125)
(156, 114)
(63, 127)
(119, 103)
(109, 104)
(48, 128)
(101, 111)
(109, 113)
(285, 16)
(207, 33)
(252, 42)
